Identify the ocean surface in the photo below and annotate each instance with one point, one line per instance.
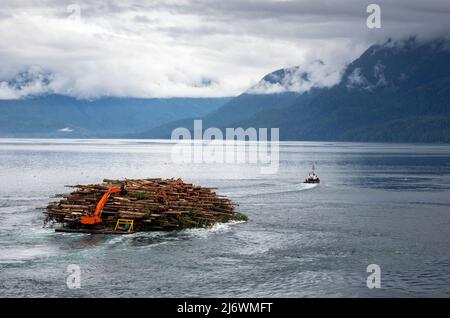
(384, 204)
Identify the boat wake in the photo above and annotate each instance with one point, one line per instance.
(258, 190)
(152, 239)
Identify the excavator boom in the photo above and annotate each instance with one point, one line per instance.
(96, 218)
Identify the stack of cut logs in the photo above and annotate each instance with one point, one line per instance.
(153, 204)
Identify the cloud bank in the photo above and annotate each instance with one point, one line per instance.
(192, 48)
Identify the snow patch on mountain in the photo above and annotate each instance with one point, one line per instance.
(33, 81)
(299, 79)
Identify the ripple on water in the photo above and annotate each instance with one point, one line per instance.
(151, 239)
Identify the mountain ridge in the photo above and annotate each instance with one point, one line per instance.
(393, 92)
(56, 116)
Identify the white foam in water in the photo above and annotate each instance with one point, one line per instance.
(161, 238)
(19, 255)
(216, 228)
(283, 188)
(21, 198)
(120, 239)
(36, 233)
(307, 186)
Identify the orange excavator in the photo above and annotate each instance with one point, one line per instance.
(96, 216)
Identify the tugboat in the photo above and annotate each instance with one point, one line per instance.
(312, 177)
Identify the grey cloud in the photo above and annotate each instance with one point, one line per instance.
(195, 47)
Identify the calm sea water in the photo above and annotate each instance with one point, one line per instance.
(385, 204)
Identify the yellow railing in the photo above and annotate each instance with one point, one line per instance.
(124, 225)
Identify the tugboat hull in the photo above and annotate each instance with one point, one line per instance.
(312, 177)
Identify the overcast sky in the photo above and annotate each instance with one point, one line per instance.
(190, 48)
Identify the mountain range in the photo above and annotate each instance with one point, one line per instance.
(53, 116)
(394, 92)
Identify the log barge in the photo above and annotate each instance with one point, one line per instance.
(134, 205)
